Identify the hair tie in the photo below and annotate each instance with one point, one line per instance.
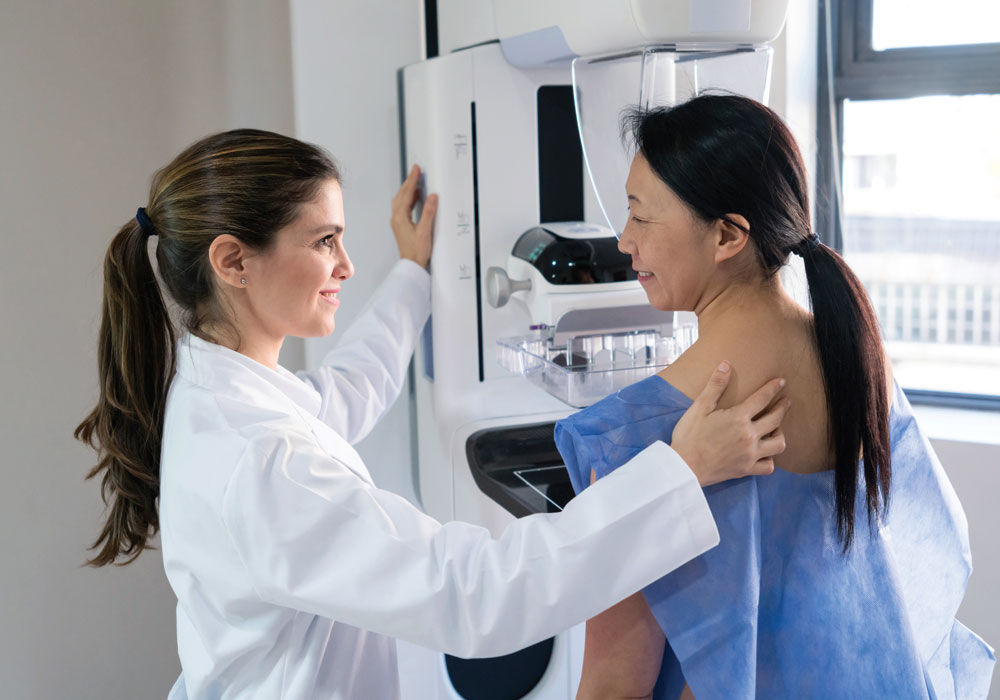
(144, 223)
(806, 245)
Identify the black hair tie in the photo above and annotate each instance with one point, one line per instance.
(806, 245)
(144, 223)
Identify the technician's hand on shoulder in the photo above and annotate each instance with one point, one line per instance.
(720, 444)
(413, 239)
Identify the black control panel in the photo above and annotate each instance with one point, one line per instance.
(564, 260)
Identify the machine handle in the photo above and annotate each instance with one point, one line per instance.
(499, 286)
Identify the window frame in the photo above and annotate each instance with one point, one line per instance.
(859, 72)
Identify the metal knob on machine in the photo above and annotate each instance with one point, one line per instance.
(499, 286)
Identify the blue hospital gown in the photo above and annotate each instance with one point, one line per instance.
(776, 610)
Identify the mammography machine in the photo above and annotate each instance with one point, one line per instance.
(535, 311)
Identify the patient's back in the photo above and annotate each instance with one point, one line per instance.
(762, 344)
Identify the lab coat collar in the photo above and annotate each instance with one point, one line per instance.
(225, 371)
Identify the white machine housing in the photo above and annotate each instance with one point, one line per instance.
(470, 120)
(586, 27)
(484, 169)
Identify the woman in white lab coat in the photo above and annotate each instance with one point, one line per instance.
(293, 571)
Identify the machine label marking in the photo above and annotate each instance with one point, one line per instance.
(461, 146)
(463, 223)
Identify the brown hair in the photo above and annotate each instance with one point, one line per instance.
(246, 183)
(729, 154)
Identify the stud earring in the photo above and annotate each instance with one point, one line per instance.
(243, 280)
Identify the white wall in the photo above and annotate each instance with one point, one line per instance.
(94, 96)
(974, 470)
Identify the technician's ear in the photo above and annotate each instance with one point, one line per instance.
(732, 235)
(228, 257)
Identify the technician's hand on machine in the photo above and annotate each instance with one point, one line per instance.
(413, 239)
(734, 442)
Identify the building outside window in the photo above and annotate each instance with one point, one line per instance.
(910, 108)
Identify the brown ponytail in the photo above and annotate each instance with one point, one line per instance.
(135, 359)
(246, 183)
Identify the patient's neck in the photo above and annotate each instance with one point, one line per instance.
(738, 305)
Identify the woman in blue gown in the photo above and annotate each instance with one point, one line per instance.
(837, 577)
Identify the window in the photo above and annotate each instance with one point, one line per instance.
(898, 24)
(909, 101)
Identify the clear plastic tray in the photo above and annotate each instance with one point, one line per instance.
(587, 368)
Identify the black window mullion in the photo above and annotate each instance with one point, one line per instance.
(830, 134)
(863, 28)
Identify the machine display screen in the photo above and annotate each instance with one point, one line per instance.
(574, 260)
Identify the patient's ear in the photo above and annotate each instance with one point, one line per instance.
(732, 232)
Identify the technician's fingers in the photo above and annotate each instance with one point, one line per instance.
(771, 446)
(405, 198)
(768, 422)
(413, 238)
(410, 183)
(708, 399)
(762, 467)
(427, 215)
(761, 399)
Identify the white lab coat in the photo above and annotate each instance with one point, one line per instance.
(294, 572)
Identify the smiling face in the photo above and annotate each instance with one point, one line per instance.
(291, 289)
(671, 247)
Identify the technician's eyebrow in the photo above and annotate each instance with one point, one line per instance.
(336, 228)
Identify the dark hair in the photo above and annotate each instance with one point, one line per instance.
(247, 183)
(727, 154)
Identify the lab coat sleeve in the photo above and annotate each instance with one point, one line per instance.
(363, 374)
(315, 538)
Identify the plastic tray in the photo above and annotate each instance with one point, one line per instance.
(587, 368)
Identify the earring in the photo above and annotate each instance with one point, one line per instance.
(243, 280)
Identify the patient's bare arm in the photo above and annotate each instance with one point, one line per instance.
(623, 652)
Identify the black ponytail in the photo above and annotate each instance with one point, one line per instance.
(850, 351)
(727, 154)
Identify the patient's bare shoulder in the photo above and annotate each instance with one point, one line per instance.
(690, 372)
(759, 352)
